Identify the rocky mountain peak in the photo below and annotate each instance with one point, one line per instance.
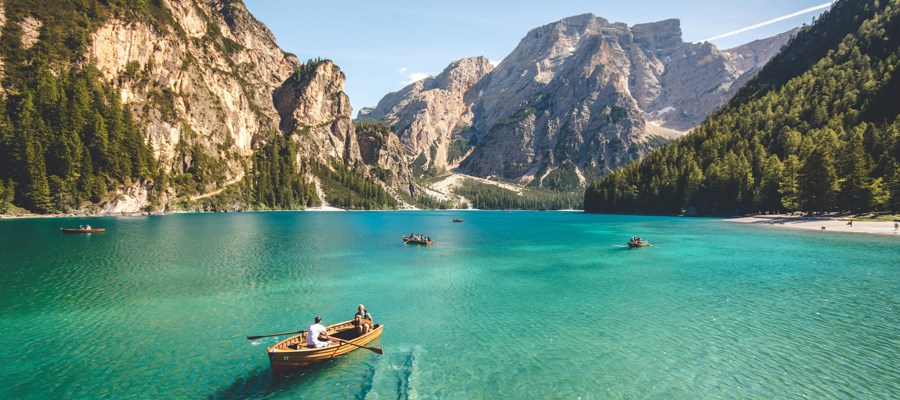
(661, 38)
(426, 114)
(459, 75)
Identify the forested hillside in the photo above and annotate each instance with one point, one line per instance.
(64, 136)
(152, 105)
(817, 130)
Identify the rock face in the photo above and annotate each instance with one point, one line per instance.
(386, 157)
(579, 92)
(219, 79)
(315, 110)
(209, 79)
(426, 114)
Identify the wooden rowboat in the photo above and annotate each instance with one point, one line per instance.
(293, 352)
(77, 230)
(457, 220)
(411, 240)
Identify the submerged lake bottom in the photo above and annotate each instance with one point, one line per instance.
(502, 305)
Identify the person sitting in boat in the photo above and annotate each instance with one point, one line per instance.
(317, 334)
(363, 320)
(87, 227)
(80, 226)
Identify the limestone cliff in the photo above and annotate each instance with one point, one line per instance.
(599, 94)
(426, 114)
(386, 157)
(208, 79)
(316, 112)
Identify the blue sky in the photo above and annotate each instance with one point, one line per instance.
(383, 45)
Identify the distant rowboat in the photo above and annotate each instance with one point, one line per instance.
(457, 220)
(638, 243)
(82, 230)
(419, 239)
(293, 352)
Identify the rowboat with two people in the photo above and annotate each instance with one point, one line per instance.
(636, 242)
(415, 238)
(82, 229)
(295, 352)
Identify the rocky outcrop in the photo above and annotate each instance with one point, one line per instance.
(31, 31)
(580, 92)
(386, 157)
(316, 112)
(426, 115)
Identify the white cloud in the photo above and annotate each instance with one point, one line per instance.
(411, 77)
(771, 21)
(495, 63)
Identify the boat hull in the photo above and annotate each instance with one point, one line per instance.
(634, 245)
(408, 240)
(282, 357)
(76, 230)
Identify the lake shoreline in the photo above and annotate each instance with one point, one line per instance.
(147, 214)
(312, 209)
(821, 224)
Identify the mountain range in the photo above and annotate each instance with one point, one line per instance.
(575, 99)
(191, 105)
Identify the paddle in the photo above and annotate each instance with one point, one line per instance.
(273, 334)
(373, 349)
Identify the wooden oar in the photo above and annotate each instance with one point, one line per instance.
(273, 334)
(373, 349)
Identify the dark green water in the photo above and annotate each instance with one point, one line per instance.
(504, 305)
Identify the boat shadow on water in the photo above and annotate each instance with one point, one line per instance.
(392, 375)
(264, 382)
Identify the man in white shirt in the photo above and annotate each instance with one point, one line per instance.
(317, 335)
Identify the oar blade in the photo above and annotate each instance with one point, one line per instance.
(376, 350)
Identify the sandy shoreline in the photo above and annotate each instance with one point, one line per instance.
(828, 224)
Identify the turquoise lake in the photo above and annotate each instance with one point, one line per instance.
(520, 305)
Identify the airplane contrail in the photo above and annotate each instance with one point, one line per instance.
(771, 21)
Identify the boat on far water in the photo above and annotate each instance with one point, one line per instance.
(457, 220)
(82, 230)
(417, 239)
(636, 242)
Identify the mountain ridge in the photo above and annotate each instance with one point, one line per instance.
(580, 97)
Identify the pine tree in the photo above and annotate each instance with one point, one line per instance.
(856, 192)
(816, 189)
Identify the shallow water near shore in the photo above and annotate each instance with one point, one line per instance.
(503, 305)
